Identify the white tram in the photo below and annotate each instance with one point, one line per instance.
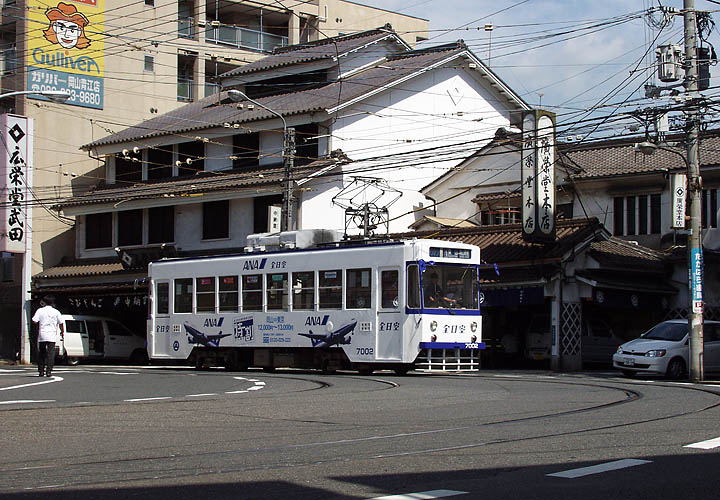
(393, 305)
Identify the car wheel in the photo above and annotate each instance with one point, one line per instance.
(675, 369)
(629, 373)
(139, 357)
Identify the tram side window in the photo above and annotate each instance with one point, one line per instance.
(205, 291)
(252, 292)
(358, 289)
(303, 290)
(389, 292)
(413, 287)
(277, 292)
(183, 295)
(330, 289)
(229, 293)
(162, 298)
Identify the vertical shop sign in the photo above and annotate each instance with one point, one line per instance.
(538, 176)
(529, 196)
(65, 50)
(678, 186)
(16, 177)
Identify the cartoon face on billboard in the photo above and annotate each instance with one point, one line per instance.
(67, 26)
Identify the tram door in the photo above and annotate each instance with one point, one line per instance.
(389, 321)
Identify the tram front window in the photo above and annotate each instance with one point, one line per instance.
(446, 287)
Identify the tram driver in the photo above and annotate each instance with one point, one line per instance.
(434, 295)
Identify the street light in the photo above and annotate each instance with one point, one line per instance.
(58, 96)
(288, 157)
(695, 314)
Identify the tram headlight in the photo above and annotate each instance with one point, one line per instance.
(433, 338)
(473, 327)
(473, 339)
(433, 326)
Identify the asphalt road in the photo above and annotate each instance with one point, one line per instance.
(119, 433)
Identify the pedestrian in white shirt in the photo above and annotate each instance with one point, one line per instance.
(49, 320)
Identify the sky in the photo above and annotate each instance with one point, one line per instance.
(578, 58)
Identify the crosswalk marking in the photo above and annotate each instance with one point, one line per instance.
(596, 469)
(423, 495)
(705, 445)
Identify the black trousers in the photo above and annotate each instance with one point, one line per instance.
(46, 357)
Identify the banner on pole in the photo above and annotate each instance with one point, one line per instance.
(17, 150)
(678, 187)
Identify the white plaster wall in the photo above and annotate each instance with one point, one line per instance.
(317, 209)
(497, 170)
(440, 108)
(188, 229)
(271, 146)
(188, 226)
(217, 154)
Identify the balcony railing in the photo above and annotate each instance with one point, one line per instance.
(245, 38)
(186, 27)
(185, 89)
(211, 89)
(8, 61)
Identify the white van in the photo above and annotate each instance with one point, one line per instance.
(96, 337)
(597, 345)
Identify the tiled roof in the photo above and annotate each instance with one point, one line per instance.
(445, 221)
(189, 186)
(618, 254)
(207, 113)
(618, 157)
(327, 48)
(496, 196)
(504, 244)
(77, 270)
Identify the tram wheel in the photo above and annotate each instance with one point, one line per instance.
(401, 370)
(365, 369)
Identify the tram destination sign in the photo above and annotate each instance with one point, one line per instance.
(450, 253)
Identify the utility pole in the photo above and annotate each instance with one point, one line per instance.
(695, 255)
(288, 164)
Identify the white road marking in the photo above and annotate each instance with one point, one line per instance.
(147, 399)
(201, 395)
(27, 401)
(255, 388)
(508, 376)
(596, 469)
(423, 495)
(705, 445)
(47, 380)
(235, 392)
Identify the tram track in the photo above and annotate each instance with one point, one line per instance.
(145, 467)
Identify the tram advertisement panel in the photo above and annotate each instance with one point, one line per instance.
(355, 332)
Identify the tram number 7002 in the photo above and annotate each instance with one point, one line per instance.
(365, 351)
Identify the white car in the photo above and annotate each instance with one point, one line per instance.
(96, 337)
(663, 350)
